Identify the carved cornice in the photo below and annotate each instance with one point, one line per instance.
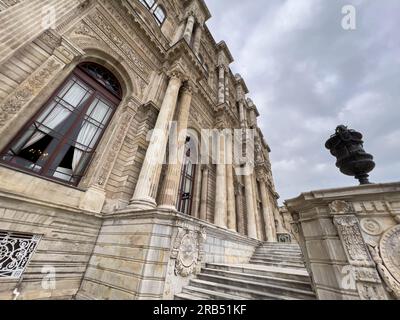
(224, 111)
(155, 37)
(182, 51)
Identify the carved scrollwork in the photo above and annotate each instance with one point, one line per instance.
(341, 207)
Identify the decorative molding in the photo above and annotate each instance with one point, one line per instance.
(118, 138)
(352, 240)
(341, 207)
(368, 283)
(29, 89)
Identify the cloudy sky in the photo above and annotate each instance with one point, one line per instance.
(307, 74)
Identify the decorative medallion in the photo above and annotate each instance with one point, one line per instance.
(188, 255)
(188, 251)
(371, 226)
(390, 251)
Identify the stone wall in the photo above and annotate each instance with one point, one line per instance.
(139, 256)
(350, 239)
(67, 238)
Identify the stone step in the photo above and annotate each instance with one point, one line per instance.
(278, 257)
(275, 280)
(275, 260)
(276, 289)
(277, 263)
(281, 273)
(186, 296)
(277, 245)
(198, 293)
(278, 251)
(236, 291)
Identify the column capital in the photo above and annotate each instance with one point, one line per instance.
(223, 67)
(189, 87)
(176, 74)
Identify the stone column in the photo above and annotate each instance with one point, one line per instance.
(204, 193)
(220, 194)
(227, 93)
(197, 39)
(240, 218)
(170, 187)
(242, 114)
(268, 215)
(145, 192)
(251, 214)
(189, 29)
(221, 85)
(231, 205)
(197, 190)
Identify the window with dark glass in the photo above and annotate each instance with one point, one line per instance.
(148, 3)
(186, 188)
(60, 141)
(157, 11)
(160, 15)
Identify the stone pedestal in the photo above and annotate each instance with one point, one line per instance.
(350, 238)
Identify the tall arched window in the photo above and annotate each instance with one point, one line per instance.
(59, 142)
(186, 186)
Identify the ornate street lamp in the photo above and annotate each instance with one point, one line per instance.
(352, 160)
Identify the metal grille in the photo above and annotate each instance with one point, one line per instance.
(15, 252)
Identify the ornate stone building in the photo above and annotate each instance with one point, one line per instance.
(85, 211)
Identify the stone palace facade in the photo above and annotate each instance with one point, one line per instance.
(85, 211)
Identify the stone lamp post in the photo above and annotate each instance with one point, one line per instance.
(352, 160)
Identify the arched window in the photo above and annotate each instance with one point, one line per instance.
(59, 142)
(186, 186)
(160, 15)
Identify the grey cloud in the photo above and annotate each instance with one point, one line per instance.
(307, 75)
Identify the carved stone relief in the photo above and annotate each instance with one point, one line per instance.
(341, 207)
(390, 251)
(371, 227)
(187, 250)
(368, 283)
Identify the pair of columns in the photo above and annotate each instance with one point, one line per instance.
(190, 32)
(251, 207)
(149, 178)
(225, 202)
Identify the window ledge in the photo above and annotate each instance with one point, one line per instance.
(19, 185)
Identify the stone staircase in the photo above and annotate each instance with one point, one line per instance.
(275, 272)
